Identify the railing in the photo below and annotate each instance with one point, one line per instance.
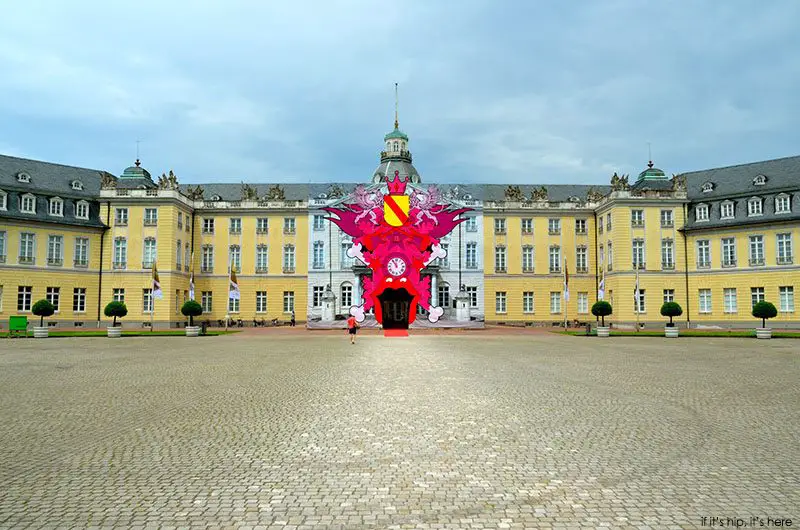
(637, 224)
(288, 270)
(703, 264)
(471, 228)
(151, 222)
(581, 270)
(554, 231)
(119, 265)
(527, 269)
(27, 260)
(527, 231)
(205, 269)
(123, 192)
(186, 268)
(667, 224)
(581, 231)
(288, 231)
(499, 231)
(235, 231)
(147, 264)
(261, 270)
(56, 262)
(728, 264)
(608, 226)
(786, 260)
(262, 230)
(472, 265)
(667, 266)
(80, 263)
(236, 268)
(599, 229)
(640, 266)
(121, 222)
(500, 269)
(554, 270)
(610, 267)
(756, 262)
(208, 231)
(151, 193)
(318, 266)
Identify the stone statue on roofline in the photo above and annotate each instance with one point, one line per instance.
(592, 195)
(335, 192)
(249, 192)
(619, 183)
(514, 193)
(539, 194)
(678, 182)
(168, 182)
(275, 193)
(195, 193)
(107, 181)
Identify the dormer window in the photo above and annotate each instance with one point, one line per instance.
(56, 207)
(27, 203)
(726, 210)
(3, 200)
(23, 177)
(759, 180)
(322, 196)
(467, 197)
(216, 198)
(77, 185)
(755, 207)
(574, 199)
(708, 187)
(782, 204)
(701, 212)
(82, 210)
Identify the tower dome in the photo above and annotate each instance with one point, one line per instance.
(396, 156)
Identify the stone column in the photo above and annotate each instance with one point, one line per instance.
(434, 290)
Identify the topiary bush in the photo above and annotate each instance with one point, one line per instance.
(42, 309)
(115, 309)
(671, 309)
(764, 310)
(191, 309)
(602, 309)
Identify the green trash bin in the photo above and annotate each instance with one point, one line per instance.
(17, 324)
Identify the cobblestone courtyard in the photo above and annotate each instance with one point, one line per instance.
(303, 430)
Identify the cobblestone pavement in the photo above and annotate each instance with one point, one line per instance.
(469, 431)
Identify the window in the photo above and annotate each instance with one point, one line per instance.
(206, 301)
(527, 226)
(554, 227)
(472, 255)
(262, 225)
(150, 216)
(149, 254)
(345, 260)
(756, 295)
(346, 296)
(708, 187)
(667, 254)
(3, 250)
(28, 203)
(581, 259)
(555, 258)
(288, 258)
(180, 220)
(600, 224)
(782, 204)
(53, 295)
(319, 255)
(527, 302)
(500, 259)
(443, 292)
(55, 250)
(207, 263)
(319, 222)
(500, 302)
(82, 210)
(637, 218)
(703, 254)
(527, 258)
(580, 226)
(233, 305)
(187, 257)
(24, 296)
(667, 219)
(583, 302)
(555, 302)
(235, 225)
(729, 299)
(3, 200)
(639, 303)
(147, 300)
(726, 210)
(701, 212)
(500, 226)
(601, 254)
(1, 298)
(55, 207)
(27, 249)
(472, 292)
(118, 295)
(208, 225)
(235, 257)
(786, 297)
(784, 249)
(261, 301)
(79, 300)
(471, 224)
(76, 185)
(608, 221)
(178, 254)
(756, 251)
(638, 253)
(262, 258)
(755, 207)
(121, 216)
(610, 254)
(81, 257)
(316, 295)
(728, 252)
(705, 300)
(23, 177)
(288, 225)
(288, 301)
(445, 261)
(759, 180)
(669, 295)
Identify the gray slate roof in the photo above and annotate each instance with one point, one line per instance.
(555, 192)
(233, 192)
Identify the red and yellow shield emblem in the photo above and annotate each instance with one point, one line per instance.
(395, 209)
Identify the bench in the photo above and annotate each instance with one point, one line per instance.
(17, 324)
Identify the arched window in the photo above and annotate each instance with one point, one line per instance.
(396, 146)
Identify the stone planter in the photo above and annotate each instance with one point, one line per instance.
(192, 331)
(602, 331)
(761, 333)
(40, 332)
(671, 332)
(114, 332)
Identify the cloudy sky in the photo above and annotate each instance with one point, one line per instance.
(525, 91)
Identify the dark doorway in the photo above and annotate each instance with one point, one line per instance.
(395, 304)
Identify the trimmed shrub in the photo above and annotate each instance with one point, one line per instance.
(42, 309)
(191, 309)
(602, 309)
(115, 309)
(764, 310)
(671, 309)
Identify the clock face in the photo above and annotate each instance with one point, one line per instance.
(396, 266)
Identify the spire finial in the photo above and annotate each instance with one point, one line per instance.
(649, 156)
(137, 153)
(396, 105)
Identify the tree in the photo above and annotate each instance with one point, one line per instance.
(115, 309)
(42, 309)
(764, 310)
(602, 309)
(191, 309)
(671, 309)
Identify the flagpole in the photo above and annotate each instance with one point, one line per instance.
(152, 297)
(566, 296)
(637, 291)
(227, 307)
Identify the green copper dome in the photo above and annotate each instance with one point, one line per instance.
(396, 134)
(135, 171)
(651, 173)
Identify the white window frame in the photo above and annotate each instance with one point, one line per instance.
(25, 295)
(500, 256)
(640, 304)
(288, 301)
(207, 301)
(261, 301)
(526, 225)
(707, 187)
(289, 225)
(756, 250)
(55, 207)
(638, 257)
(208, 225)
(582, 259)
(233, 305)
(667, 253)
(80, 255)
(637, 218)
(730, 302)
(554, 259)
(783, 204)
(528, 258)
(759, 180)
(701, 213)
(55, 249)
(499, 225)
(82, 210)
(53, 295)
(3, 200)
(669, 295)
(755, 207)
(235, 257)
(289, 264)
(147, 301)
(28, 257)
(149, 252)
(667, 218)
(150, 217)
(786, 299)
(700, 245)
(79, 300)
(471, 223)
(555, 302)
(316, 295)
(757, 294)
(262, 258)
(318, 255)
(528, 302)
(179, 254)
(318, 223)
(472, 291)
(554, 226)
(784, 253)
(500, 302)
(262, 225)
(471, 255)
(583, 303)
(121, 217)
(118, 294)
(704, 301)
(727, 210)
(728, 249)
(207, 258)
(27, 203)
(235, 225)
(346, 295)
(581, 226)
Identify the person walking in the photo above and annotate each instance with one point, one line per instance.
(352, 326)
(292, 321)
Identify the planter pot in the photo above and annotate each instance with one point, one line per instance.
(114, 332)
(192, 331)
(602, 331)
(40, 332)
(671, 332)
(763, 333)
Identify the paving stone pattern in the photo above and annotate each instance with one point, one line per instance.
(305, 431)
